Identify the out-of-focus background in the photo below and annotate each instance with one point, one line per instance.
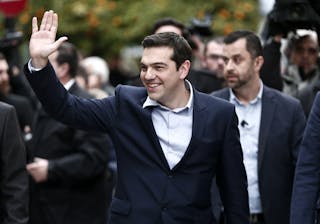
(106, 28)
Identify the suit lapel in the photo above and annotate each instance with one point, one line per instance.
(146, 121)
(267, 112)
(199, 121)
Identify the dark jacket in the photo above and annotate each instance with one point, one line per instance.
(307, 95)
(281, 128)
(271, 69)
(306, 182)
(13, 174)
(148, 191)
(77, 187)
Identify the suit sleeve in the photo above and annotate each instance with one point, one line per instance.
(231, 176)
(298, 123)
(88, 160)
(14, 179)
(77, 112)
(307, 173)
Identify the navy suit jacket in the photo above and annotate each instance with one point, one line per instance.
(281, 128)
(307, 176)
(14, 198)
(148, 191)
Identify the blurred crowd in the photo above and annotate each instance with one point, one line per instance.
(72, 174)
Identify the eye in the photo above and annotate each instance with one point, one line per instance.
(226, 60)
(158, 68)
(143, 68)
(237, 59)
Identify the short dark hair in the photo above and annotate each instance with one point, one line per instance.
(219, 40)
(181, 49)
(168, 22)
(67, 53)
(253, 43)
(2, 56)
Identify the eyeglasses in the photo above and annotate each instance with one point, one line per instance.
(4, 71)
(215, 57)
(309, 50)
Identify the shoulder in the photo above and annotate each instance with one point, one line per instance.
(269, 93)
(212, 102)
(126, 91)
(4, 107)
(6, 112)
(17, 100)
(316, 102)
(221, 93)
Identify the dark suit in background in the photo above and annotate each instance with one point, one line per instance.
(23, 107)
(13, 175)
(306, 183)
(77, 190)
(281, 127)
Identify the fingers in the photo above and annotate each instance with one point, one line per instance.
(59, 42)
(37, 159)
(47, 20)
(54, 25)
(44, 21)
(32, 166)
(34, 25)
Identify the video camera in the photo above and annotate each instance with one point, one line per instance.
(11, 38)
(10, 42)
(290, 15)
(201, 27)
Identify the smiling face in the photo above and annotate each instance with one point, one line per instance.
(159, 74)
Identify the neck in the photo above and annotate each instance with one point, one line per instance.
(247, 93)
(64, 79)
(180, 99)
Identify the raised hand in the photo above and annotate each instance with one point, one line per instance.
(43, 40)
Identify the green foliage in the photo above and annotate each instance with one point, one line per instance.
(103, 27)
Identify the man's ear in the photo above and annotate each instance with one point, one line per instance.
(258, 63)
(64, 68)
(184, 69)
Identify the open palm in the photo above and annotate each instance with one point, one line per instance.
(42, 42)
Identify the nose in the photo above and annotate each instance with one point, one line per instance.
(228, 66)
(221, 61)
(4, 77)
(149, 74)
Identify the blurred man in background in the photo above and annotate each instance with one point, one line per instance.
(69, 173)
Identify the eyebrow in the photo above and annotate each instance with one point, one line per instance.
(235, 55)
(154, 64)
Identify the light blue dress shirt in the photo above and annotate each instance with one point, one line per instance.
(173, 127)
(249, 126)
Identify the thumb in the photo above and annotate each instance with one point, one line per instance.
(58, 42)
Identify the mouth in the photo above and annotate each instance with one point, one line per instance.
(232, 77)
(152, 86)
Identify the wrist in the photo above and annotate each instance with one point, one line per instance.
(38, 63)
